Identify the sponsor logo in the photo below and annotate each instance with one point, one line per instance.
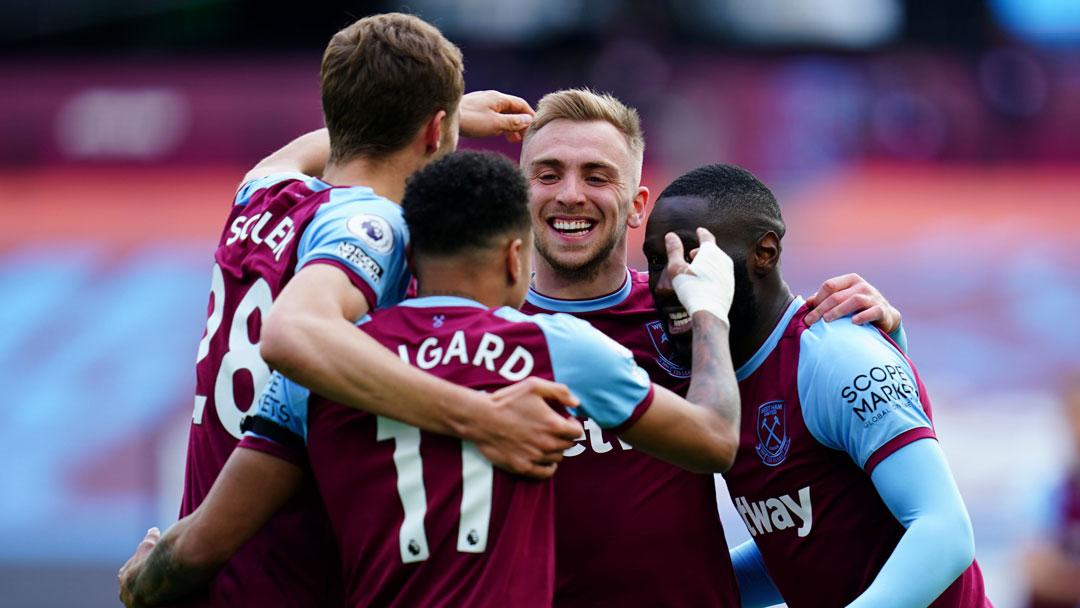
(592, 438)
(438, 320)
(373, 230)
(775, 514)
(878, 391)
(665, 356)
(773, 441)
(355, 256)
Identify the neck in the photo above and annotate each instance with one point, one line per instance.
(770, 308)
(440, 278)
(608, 278)
(385, 176)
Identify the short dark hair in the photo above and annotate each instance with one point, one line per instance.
(381, 78)
(464, 200)
(731, 190)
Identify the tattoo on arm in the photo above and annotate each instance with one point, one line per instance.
(164, 578)
(713, 382)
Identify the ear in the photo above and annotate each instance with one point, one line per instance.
(515, 263)
(765, 254)
(638, 206)
(433, 132)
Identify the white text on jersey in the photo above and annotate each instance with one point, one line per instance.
(764, 516)
(431, 352)
(254, 227)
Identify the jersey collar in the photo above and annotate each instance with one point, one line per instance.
(441, 302)
(559, 305)
(770, 343)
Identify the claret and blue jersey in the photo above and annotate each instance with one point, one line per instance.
(822, 407)
(277, 225)
(449, 530)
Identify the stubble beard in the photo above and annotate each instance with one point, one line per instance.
(590, 268)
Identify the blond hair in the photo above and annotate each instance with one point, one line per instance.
(586, 105)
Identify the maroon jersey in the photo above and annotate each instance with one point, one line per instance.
(821, 407)
(277, 225)
(423, 519)
(632, 530)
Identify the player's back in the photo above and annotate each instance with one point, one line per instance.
(276, 225)
(632, 529)
(423, 519)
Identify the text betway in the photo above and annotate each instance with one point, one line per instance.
(765, 516)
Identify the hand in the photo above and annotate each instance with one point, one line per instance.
(708, 282)
(490, 113)
(850, 293)
(130, 570)
(518, 430)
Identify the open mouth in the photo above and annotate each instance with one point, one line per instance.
(678, 321)
(576, 226)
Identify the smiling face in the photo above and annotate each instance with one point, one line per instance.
(683, 215)
(583, 194)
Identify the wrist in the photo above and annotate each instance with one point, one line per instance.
(465, 414)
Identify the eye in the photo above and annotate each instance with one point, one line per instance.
(547, 178)
(596, 180)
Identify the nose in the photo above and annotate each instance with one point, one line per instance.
(664, 290)
(571, 192)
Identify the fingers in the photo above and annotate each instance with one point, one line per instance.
(676, 264)
(551, 391)
(511, 104)
(704, 236)
(830, 287)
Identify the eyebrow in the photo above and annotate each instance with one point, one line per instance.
(555, 163)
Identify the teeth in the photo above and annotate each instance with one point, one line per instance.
(572, 225)
(679, 319)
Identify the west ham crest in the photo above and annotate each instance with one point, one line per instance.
(773, 440)
(664, 354)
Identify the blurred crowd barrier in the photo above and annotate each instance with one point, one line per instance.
(952, 184)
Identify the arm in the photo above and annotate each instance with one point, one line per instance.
(251, 488)
(309, 336)
(756, 588)
(851, 294)
(306, 154)
(701, 432)
(939, 544)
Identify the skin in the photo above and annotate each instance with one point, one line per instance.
(582, 171)
(309, 335)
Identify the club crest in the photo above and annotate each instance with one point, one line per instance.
(773, 440)
(373, 230)
(664, 353)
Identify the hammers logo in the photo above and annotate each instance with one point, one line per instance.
(773, 440)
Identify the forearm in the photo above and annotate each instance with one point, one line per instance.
(712, 383)
(331, 357)
(756, 588)
(307, 154)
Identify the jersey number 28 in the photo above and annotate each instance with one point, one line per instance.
(243, 353)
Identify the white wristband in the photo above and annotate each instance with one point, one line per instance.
(709, 285)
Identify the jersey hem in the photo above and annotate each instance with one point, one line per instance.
(267, 446)
(638, 412)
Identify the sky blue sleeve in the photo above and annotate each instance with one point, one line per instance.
(282, 413)
(248, 189)
(612, 388)
(364, 236)
(939, 544)
(756, 587)
(857, 392)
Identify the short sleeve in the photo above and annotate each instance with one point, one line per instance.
(249, 188)
(366, 237)
(279, 427)
(858, 393)
(614, 391)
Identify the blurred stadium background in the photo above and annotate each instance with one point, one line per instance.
(933, 147)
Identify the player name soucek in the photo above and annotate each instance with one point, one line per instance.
(887, 385)
(257, 228)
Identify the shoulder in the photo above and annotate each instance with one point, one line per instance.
(252, 186)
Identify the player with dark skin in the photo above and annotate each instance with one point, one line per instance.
(924, 547)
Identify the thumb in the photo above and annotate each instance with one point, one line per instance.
(512, 122)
